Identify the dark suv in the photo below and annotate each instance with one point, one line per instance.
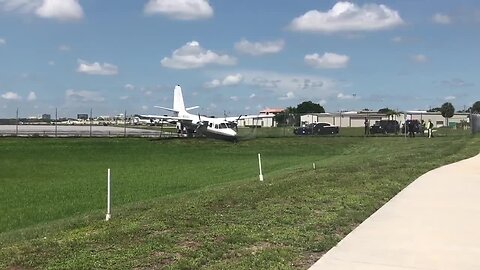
(385, 127)
(316, 129)
(415, 125)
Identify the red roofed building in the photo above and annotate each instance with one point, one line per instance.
(263, 121)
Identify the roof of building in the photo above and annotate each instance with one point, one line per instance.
(272, 110)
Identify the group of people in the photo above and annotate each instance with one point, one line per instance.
(411, 127)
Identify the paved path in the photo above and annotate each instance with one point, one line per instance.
(434, 223)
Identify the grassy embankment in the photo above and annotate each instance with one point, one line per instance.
(211, 212)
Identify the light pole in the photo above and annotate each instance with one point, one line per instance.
(16, 126)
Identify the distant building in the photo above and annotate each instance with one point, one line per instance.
(437, 119)
(357, 119)
(46, 116)
(263, 121)
(82, 116)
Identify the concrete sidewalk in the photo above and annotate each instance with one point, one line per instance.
(434, 223)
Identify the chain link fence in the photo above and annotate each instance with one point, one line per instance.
(345, 124)
(84, 125)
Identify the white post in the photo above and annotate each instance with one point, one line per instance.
(108, 216)
(314, 167)
(260, 167)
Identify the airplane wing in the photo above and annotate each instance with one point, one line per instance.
(243, 117)
(166, 118)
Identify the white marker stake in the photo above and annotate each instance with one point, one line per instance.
(108, 216)
(260, 166)
(314, 167)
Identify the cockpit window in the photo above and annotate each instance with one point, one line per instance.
(216, 126)
(223, 125)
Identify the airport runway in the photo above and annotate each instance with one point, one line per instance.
(79, 131)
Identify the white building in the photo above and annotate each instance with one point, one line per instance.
(357, 119)
(436, 117)
(265, 121)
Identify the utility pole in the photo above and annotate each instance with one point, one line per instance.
(56, 121)
(125, 124)
(90, 122)
(16, 127)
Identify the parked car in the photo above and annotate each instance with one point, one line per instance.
(385, 127)
(316, 129)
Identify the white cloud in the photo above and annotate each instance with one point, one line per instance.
(447, 98)
(62, 10)
(398, 39)
(419, 58)
(348, 17)
(129, 86)
(259, 48)
(180, 9)
(456, 83)
(83, 96)
(192, 55)
(11, 96)
(229, 80)
(289, 95)
(232, 79)
(234, 98)
(123, 97)
(285, 85)
(32, 96)
(64, 48)
(346, 96)
(213, 84)
(252, 96)
(327, 60)
(3, 41)
(441, 18)
(96, 68)
(22, 6)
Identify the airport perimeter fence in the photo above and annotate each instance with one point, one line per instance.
(284, 125)
(85, 125)
(63, 131)
(60, 131)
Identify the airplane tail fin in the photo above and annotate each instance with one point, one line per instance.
(178, 104)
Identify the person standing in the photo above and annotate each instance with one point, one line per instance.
(367, 126)
(430, 128)
(411, 129)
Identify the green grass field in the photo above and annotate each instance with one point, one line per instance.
(198, 204)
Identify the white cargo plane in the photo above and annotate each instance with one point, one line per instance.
(217, 128)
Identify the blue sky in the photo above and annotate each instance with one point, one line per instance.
(236, 56)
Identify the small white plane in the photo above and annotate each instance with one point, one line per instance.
(189, 124)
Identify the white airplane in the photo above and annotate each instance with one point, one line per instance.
(187, 123)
